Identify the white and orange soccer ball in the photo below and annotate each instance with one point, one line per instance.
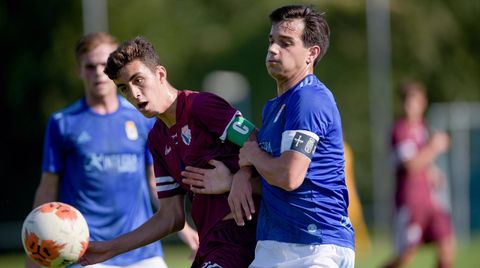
(55, 234)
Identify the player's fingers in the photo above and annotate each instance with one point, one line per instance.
(192, 175)
(192, 182)
(251, 204)
(237, 213)
(195, 170)
(246, 208)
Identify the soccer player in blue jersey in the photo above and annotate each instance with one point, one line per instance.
(299, 154)
(96, 159)
(303, 219)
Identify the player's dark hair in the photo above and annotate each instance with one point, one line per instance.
(411, 86)
(130, 50)
(316, 30)
(92, 40)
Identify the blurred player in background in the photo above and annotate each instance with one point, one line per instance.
(419, 216)
(355, 212)
(192, 128)
(96, 159)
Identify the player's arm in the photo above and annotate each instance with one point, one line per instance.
(169, 219)
(47, 190)
(188, 235)
(414, 160)
(288, 170)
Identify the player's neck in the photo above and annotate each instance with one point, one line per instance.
(169, 117)
(103, 104)
(283, 85)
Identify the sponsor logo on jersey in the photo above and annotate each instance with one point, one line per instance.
(131, 130)
(83, 137)
(186, 135)
(118, 163)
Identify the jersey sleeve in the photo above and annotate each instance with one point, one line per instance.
(404, 146)
(54, 146)
(214, 113)
(166, 185)
(309, 116)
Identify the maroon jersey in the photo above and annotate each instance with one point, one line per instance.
(197, 137)
(413, 188)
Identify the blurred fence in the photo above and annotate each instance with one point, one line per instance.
(461, 164)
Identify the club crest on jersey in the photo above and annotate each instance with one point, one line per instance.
(131, 130)
(186, 135)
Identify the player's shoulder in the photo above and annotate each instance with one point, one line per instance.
(75, 108)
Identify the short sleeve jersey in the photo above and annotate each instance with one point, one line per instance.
(195, 139)
(316, 212)
(101, 163)
(407, 140)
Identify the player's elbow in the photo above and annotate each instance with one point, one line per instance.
(291, 182)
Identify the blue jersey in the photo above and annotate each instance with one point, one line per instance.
(316, 212)
(101, 162)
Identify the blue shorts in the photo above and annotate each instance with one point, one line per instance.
(227, 246)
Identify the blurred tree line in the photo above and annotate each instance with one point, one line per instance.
(435, 41)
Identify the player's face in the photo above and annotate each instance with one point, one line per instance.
(96, 82)
(415, 104)
(144, 88)
(286, 55)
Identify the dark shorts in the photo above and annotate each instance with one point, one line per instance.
(417, 225)
(227, 246)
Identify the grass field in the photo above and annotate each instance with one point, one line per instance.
(176, 255)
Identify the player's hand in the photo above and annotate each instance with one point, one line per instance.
(208, 181)
(240, 198)
(247, 152)
(96, 252)
(440, 141)
(190, 237)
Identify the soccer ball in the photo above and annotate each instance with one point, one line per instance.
(55, 234)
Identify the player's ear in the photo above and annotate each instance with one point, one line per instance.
(161, 72)
(313, 53)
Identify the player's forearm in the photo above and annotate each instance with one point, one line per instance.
(422, 160)
(282, 171)
(157, 227)
(47, 190)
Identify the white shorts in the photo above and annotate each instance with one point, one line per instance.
(284, 255)
(154, 262)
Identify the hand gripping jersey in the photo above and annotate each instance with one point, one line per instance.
(199, 135)
(305, 119)
(101, 162)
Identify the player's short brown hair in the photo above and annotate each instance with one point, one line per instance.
(316, 31)
(136, 49)
(92, 40)
(410, 86)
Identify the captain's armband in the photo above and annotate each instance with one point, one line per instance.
(302, 141)
(239, 130)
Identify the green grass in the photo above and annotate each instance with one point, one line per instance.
(176, 256)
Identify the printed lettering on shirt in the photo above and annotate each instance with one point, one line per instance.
(119, 163)
(301, 141)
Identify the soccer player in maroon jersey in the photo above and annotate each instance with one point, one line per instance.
(192, 129)
(420, 218)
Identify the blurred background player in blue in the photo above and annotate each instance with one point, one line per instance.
(420, 217)
(96, 159)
